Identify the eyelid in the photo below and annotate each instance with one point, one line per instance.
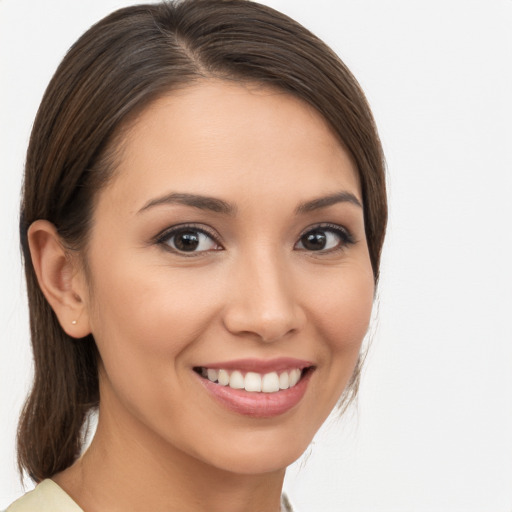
(344, 233)
(164, 235)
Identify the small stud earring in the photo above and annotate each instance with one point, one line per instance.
(73, 322)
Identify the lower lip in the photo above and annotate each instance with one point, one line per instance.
(258, 405)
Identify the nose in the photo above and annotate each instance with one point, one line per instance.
(263, 303)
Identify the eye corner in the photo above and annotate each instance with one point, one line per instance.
(197, 237)
(325, 241)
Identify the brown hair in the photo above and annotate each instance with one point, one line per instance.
(115, 69)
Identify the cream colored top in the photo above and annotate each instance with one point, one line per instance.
(49, 497)
(46, 497)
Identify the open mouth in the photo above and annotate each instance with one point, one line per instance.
(271, 382)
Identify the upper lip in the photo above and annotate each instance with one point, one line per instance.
(260, 365)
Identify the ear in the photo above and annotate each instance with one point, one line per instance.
(60, 279)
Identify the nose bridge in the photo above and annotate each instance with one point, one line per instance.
(263, 301)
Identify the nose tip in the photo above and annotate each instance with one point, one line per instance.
(268, 324)
(263, 306)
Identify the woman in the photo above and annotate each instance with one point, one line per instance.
(203, 213)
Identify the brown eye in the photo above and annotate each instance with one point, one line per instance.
(324, 239)
(314, 241)
(189, 240)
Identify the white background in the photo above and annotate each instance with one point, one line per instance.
(433, 430)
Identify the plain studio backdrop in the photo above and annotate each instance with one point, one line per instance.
(433, 427)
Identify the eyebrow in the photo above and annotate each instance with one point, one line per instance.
(216, 205)
(324, 202)
(196, 201)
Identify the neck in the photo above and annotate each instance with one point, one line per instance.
(126, 469)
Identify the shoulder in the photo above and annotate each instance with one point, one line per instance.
(46, 497)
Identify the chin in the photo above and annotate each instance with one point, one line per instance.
(259, 461)
(251, 452)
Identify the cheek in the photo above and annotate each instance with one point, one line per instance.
(145, 317)
(133, 299)
(344, 310)
(144, 324)
(343, 313)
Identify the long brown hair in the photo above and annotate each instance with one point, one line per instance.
(114, 70)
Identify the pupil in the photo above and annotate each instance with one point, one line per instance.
(187, 241)
(314, 241)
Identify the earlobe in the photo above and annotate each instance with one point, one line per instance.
(60, 281)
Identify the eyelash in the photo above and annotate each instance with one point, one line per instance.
(164, 238)
(343, 234)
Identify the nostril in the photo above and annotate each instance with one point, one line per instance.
(260, 325)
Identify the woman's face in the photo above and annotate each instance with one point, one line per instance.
(228, 252)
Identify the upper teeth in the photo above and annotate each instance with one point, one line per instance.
(252, 381)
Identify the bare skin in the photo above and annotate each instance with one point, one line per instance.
(253, 287)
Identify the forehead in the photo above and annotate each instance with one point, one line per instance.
(221, 138)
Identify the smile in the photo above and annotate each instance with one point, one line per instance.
(258, 389)
(254, 382)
